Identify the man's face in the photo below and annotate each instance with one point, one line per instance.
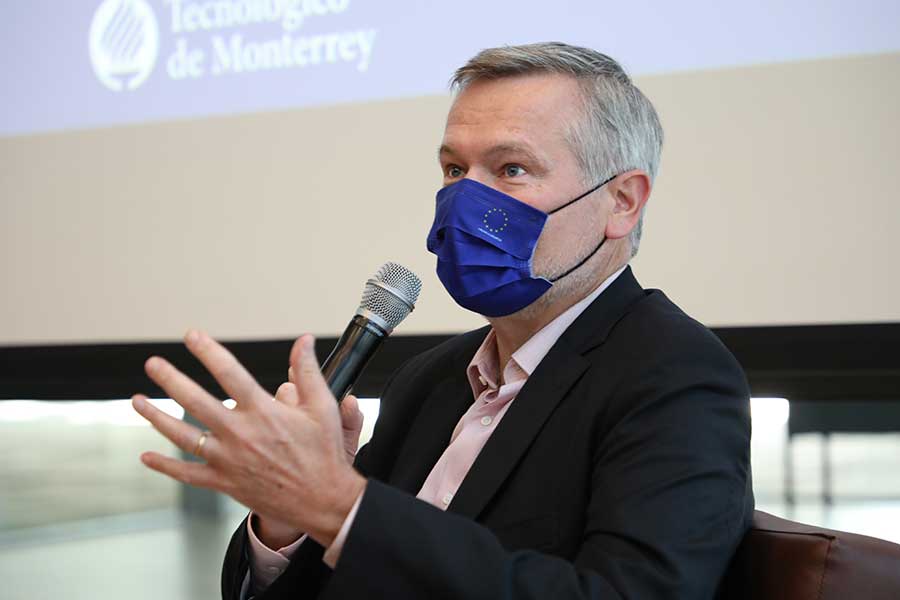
(510, 134)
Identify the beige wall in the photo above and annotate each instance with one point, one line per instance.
(777, 203)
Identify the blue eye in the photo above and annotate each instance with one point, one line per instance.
(454, 172)
(514, 171)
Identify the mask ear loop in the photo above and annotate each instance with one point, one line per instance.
(600, 245)
(584, 260)
(587, 193)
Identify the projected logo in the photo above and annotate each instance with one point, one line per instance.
(124, 43)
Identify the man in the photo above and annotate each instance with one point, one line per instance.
(591, 442)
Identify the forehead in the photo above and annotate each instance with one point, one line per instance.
(536, 110)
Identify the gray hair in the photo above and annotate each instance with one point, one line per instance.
(621, 130)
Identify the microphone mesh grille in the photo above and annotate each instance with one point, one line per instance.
(385, 304)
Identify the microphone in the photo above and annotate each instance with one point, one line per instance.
(389, 296)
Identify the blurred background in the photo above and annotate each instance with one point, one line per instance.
(242, 166)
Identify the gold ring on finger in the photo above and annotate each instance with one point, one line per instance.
(200, 441)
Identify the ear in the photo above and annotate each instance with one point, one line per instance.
(629, 192)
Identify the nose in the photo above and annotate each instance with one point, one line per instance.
(482, 176)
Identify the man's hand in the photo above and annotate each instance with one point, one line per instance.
(351, 420)
(273, 533)
(285, 458)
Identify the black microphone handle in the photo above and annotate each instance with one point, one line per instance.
(357, 345)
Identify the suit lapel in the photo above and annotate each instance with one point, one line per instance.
(430, 433)
(550, 382)
(545, 388)
(593, 325)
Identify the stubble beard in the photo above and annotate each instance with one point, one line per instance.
(579, 283)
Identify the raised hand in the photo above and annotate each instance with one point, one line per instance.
(287, 460)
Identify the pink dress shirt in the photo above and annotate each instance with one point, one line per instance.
(492, 399)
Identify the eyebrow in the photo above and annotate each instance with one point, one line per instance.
(498, 150)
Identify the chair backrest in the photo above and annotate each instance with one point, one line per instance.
(781, 559)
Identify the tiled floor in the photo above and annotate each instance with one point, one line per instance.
(81, 518)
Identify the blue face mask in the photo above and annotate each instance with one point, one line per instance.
(484, 241)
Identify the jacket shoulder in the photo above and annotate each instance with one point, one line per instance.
(660, 330)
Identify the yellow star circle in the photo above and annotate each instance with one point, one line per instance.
(496, 228)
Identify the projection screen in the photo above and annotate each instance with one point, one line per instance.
(244, 165)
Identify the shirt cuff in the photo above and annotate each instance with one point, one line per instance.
(267, 564)
(333, 552)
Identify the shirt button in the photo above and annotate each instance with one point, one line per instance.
(447, 498)
(486, 421)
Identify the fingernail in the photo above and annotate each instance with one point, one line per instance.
(192, 337)
(137, 402)
(309, 343)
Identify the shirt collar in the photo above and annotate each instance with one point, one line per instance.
(483, 370)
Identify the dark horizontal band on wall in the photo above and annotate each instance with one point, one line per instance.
(819, 362)
(803, 362)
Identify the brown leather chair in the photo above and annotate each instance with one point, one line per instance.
(784, 559)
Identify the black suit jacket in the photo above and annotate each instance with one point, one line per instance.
(621, 470)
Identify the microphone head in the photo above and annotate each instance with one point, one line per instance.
(390, 296)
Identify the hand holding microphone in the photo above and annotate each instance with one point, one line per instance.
(285, 460)
(351, 415)
(387, 299)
